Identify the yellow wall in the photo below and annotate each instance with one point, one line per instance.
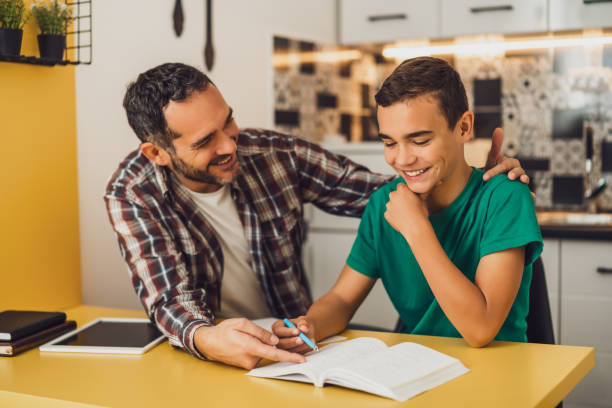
(39, 241)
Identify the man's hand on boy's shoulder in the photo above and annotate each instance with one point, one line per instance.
(499, 164)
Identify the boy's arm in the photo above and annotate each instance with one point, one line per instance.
(476, 309)
(329, 314)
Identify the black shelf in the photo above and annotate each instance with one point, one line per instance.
(23, 59)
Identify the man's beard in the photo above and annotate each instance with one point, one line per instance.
(193, 174)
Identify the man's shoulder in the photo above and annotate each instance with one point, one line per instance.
(134, 171)
(253, 141)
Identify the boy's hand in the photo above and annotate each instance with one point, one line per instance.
(499, 164)
(406, 211)
(288, 337)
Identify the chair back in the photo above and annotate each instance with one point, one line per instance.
(539, 319)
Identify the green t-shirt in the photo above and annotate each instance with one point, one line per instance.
(486, 217)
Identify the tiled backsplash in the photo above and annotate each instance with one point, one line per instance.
(543, 101)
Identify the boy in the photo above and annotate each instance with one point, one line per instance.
(453, 252)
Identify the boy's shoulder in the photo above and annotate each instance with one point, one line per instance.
(501, 185)
(382, 194)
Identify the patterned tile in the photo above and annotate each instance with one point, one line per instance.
(527, 140)
(568, 190)
(307, 127)
(542, 147)
(543, 189)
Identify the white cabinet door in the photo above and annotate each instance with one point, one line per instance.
(578, 14)
(367, 21)
(462, 17)
(550, 258)
(328, 253)
(586, 313)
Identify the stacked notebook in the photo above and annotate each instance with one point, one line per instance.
(21, 330)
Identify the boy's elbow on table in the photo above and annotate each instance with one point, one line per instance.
(480, 338)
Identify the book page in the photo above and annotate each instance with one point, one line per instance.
(337, 355)
(396, 366)
(317, 363)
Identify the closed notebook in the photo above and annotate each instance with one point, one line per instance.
(15, 324)
(11, 348)
(367, 364)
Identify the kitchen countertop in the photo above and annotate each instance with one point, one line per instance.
(574, 225)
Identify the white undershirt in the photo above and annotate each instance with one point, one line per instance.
(241, 294)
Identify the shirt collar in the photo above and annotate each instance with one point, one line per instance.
(163, 178)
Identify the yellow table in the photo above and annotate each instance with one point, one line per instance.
(502, 375)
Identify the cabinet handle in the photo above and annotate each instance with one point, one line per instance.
(384, 17)
(602, 269)
(587, 2)
(507, 7)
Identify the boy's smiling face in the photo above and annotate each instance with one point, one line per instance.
(419, 144)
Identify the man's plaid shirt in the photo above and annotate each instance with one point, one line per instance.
(173, 255)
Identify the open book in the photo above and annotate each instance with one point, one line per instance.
(367, 364)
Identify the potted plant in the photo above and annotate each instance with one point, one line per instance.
(53, 19)
(12, 19)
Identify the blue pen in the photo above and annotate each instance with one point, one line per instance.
(302, 336)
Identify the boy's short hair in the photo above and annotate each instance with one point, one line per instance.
(423, 75)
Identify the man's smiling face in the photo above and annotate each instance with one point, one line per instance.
(204, 156)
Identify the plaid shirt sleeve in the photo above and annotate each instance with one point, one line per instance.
(333, 182)
(158, 273)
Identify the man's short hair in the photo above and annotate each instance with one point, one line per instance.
(426, 75)
(146, 97)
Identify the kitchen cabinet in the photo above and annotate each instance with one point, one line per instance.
(366, 21)
(579, 14)
(551, 257)
(586, 309)
(464, 17)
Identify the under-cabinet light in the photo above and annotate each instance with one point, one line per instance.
(492, 45)
(290, 58)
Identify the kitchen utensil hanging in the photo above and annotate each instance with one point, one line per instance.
(178, 18)
(209, 51)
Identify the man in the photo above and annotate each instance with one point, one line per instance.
(209, 218)
(453, 252)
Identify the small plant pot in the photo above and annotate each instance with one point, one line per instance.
(10, 41)
(51, 46)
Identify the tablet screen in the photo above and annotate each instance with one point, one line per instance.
(109, 335)
(114, 334)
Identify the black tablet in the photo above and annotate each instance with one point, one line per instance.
(108, 335)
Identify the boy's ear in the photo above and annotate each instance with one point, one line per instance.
(155, 153)
(465, 126)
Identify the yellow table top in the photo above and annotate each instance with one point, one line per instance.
(503, 374)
